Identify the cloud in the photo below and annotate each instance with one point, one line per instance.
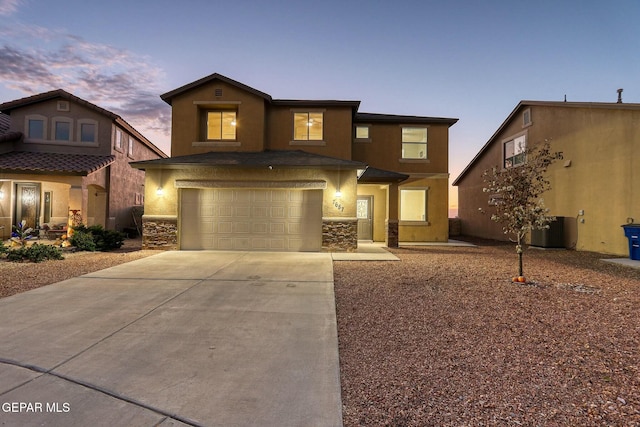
(8, 7)
(36, 59)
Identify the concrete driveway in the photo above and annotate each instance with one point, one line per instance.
(179, 338)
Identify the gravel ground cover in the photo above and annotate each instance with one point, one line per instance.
(443, 338)
(18, 277)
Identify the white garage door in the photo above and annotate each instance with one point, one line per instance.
(251, 219)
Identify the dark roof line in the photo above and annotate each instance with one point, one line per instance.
(252, 159)
(395, 118)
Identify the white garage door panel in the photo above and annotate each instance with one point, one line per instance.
(258, 219)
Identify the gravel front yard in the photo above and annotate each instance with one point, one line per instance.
(443, 338)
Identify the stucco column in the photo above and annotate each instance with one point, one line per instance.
(392, 222)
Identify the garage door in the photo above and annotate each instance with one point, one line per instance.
(251, 219)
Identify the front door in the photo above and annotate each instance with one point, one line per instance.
(28, 204)
(365, 217)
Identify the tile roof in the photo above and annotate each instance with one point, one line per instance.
(253, 159)
(52, 163)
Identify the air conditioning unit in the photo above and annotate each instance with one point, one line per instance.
(552, 237)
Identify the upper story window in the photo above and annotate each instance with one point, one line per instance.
(130, 147)
(62, 129)
(308, 126)
(514, 151)
(221, 125)
(414, 142)
(36, 127)
(119, 139)
(361, 133)
(87, 130)
(526, 117)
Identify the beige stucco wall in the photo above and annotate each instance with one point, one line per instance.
(436, 229)
(596, 175)
(337, 125)
(186, 127)
(333, 207)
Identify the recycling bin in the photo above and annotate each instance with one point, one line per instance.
(632, 231)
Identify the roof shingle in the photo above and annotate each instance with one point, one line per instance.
(52, 163)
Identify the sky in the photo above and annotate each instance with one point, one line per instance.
(468, 59)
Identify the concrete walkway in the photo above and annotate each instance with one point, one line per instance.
(178, 338)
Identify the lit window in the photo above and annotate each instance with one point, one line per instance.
(221, 125)
(514, 151)
(414, 143)
(62, 130)
(307, 126)
(36, 129)
(87, 132)
(413, 205)
(362, 132)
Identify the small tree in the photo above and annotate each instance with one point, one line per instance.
(516, 192)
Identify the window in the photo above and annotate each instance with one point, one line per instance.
(362, 133)
(221, 125)
(514, 151)
(36, 128)
(414, 142)
(526, 117)
(119, 137)
(61, 129)
(307, 126)
(413, 205)
(87, 130)
(130, 147)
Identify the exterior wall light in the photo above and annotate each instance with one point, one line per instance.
(159, 191)
(338, 193)
(1, 195)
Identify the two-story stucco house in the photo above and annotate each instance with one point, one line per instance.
(251, 172)
(595, 186)
(64, 160)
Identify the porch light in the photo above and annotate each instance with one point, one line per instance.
(160, 191)
(338, 193)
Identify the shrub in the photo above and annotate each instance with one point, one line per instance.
(83, 241)
(35, 253)
(105, 240)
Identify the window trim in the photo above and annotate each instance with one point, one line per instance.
(307, 141)
(504, 142)
(426, 206)
(355, 132)
(54, 123)
(44, 121)
(118, 137)
(426, 144)
(79, 124)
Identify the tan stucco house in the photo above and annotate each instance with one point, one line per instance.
(64, 160)
(594, 186)
(250, 172)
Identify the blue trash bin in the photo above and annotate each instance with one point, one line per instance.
(632, 231)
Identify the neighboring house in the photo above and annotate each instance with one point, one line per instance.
(64, 160)
(595, 186)
(254, 173)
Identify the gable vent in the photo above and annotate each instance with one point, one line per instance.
(218, 92)
(63, 105)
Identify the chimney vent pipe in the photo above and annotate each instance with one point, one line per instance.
(620, 96)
